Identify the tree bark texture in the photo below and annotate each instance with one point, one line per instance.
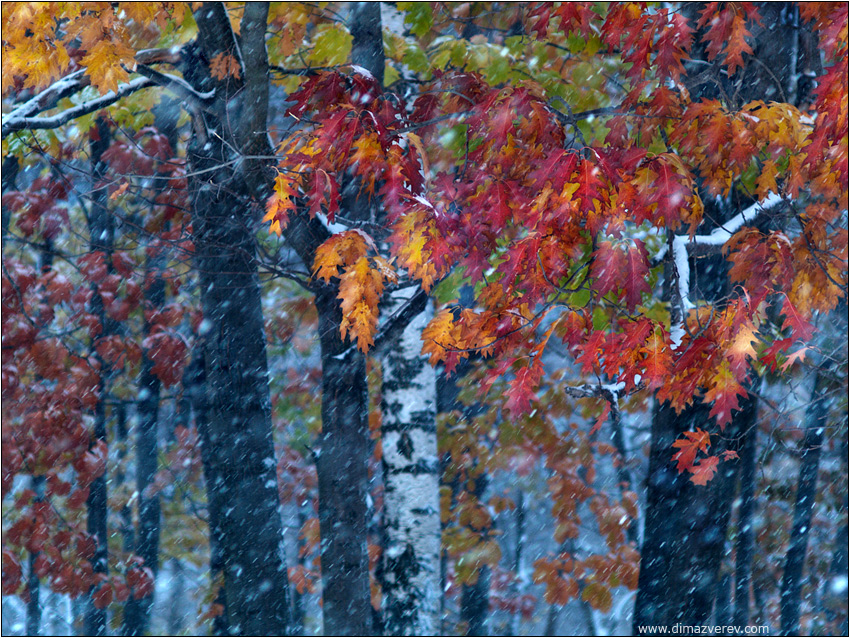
(241, 451)
(343, 477)
(242, 482)
(194, 384)
(745, 541)
(411, 568)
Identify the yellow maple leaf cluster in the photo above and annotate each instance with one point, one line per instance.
(361, 282)
(280, 203)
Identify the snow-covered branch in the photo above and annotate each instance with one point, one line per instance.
(48, 98)
(180, 87)
(681, 246)
(18, 122)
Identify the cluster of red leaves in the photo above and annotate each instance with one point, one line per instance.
(56, 351)
(531, 224)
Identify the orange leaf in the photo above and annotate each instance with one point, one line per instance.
(224, 66)
(688, 447)
(360, 290)
(704, 471)
(280, 203)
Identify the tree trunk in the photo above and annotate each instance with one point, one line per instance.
(137, 612)
(239, 446)
(343, 477)
(240, 458)
(411, 516)
(194, 384)
(33, 583)
(475, 604)
(475, 599)
(792, 577)
(102, 234)
(745, 542)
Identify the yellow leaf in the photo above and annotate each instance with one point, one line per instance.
(104, 62)
(440, 335)
(280, 203)
(360, 289)
(342, 249)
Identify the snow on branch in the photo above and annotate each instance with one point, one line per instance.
(48, 98)
(719, 236)
(180, 87)
(17, 121)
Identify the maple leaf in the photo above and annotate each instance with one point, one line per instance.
(342, 249)
(800, 328)
(727, 26)
(740, 350)
(723, 392)
(280, 203)
(693, 443)
(413, 234)
(440, 335)
(360, 288)
(704, 471)
(621, 265)
(224, 65)
(658, 362)
(521, 390)
(103, 63)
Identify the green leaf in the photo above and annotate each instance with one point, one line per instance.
(418, 15)
(415, 59)
(331, 46)
(391, 74)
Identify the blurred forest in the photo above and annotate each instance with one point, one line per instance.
(430, 318)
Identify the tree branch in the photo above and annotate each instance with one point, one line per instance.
(13, 123)
(178, 86)
(396, 323)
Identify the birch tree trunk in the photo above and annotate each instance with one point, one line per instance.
(411, 569)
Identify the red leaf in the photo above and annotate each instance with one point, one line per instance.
(704, 471)
(688, 447)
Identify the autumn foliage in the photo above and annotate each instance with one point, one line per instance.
(553, 174)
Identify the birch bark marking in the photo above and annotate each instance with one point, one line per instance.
(411, 569)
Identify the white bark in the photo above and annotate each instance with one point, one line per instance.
(411, 565)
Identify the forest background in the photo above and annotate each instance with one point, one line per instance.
(424, 318)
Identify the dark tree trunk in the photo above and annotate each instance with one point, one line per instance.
(240, 458)
(475, 604)
(102, 232)
(745, 542)
(723, 604)
(341, 467)
(792, 577)
(474, 599)
(33, 583)
(194, 384)
(10, 175)
(240, 450)
(137, 612)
